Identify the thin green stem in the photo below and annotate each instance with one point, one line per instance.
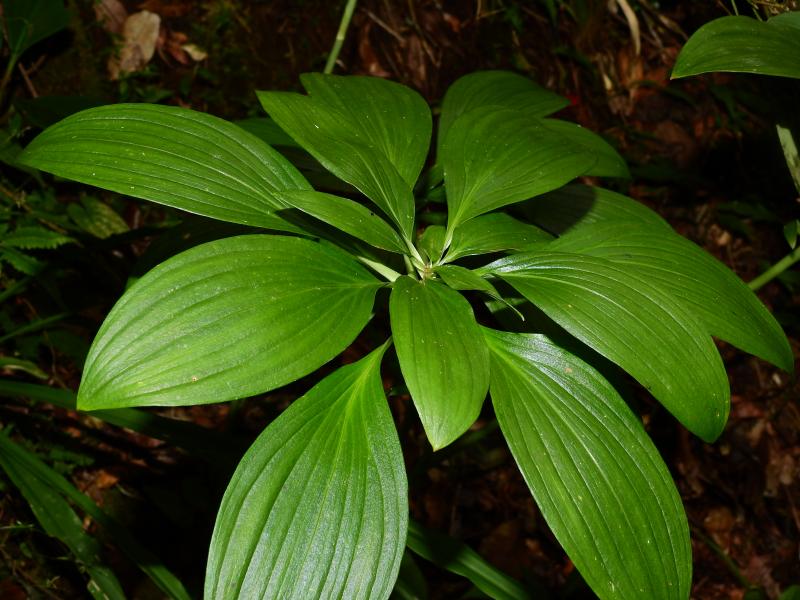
(12, 61)
(775, 270)
(349, 9)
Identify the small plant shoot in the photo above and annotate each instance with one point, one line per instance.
(494, 273)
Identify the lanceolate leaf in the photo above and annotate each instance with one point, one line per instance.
(318, 507)
(501, 89)
(30, 21)
(348, 216)
(227, 319)
(596, 476)
(460, 278)
(442, 354)
(609, 162)
(493, 233)
(493, 158)
(577, 205)
(455, 556)
(725, 306)
(172, 156)
(633, 323)
(371, 133)
(745, 45)
(49, 488)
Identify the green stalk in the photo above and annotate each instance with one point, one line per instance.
(349, 8)
(12, 61)
(775, 270)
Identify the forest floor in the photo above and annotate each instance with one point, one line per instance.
(703, 153)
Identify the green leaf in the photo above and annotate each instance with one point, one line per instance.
(501, 89)
(723, 303)
(58, 520)
(577, 205)
(743, 45)
(609, 162)
(456, 557)
(51, 483)
(597, 478)
(494, 232)
(34, 238)
(493, 158)
(459, 278)
(369, 132)
(96, 218)
(348, 216)
(173, 156)
(11, 363)
(410, 584)
(431, 242)
(790, 231)
(30, 21)
(318, 507)
(227, 319)
(442, 355)
(268, 131)
(791, 154)
(633, 323)
(21, 261)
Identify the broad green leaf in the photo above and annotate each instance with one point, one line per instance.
(609, 162)
(790, 153)
(227, 319)
(597, 478)
(442, 355)
(52, 483)
(199, 441)
(578, 205)
(348, 216)
(173, 156)
(633, 323)
(493, 158)
(723, 303)
(58, 520)
(371, 133)
(456, 557)
(743, 45)
(494, 232)
(500, 89)
(96, 218)
(34, 238)
(47, 110)
(30, 21)
(318, 507)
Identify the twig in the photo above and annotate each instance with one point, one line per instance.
(28, 82)
(349, 8)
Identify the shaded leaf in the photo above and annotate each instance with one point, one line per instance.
(348, 216)
(723, 303)
(456, 557)
(493, 158)
(227, 319)
(743, 45)
(494, 232)
(597, 478)
(96, 218)
(431, 242)
(173, 156)
(411, 584)
(442, 355)
(30, 21)
(501, 89)
(633, 323)
(318, 507)
(268, 131)
(577, 205)
(34, 238)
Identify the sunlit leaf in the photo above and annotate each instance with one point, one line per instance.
(633, 323)
(318, 507)
(744, 45)
(227, 319)
(172, 156)
(595, 475)
(442, 354)
(724, 305)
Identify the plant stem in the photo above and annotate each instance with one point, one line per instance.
(775, 270)
(12, 60)
(349, 8)
(380, 268)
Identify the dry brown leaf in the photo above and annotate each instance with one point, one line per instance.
(140, 36)
(111, 14)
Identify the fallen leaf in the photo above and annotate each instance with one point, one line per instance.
(111, 14)
(140, 35)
